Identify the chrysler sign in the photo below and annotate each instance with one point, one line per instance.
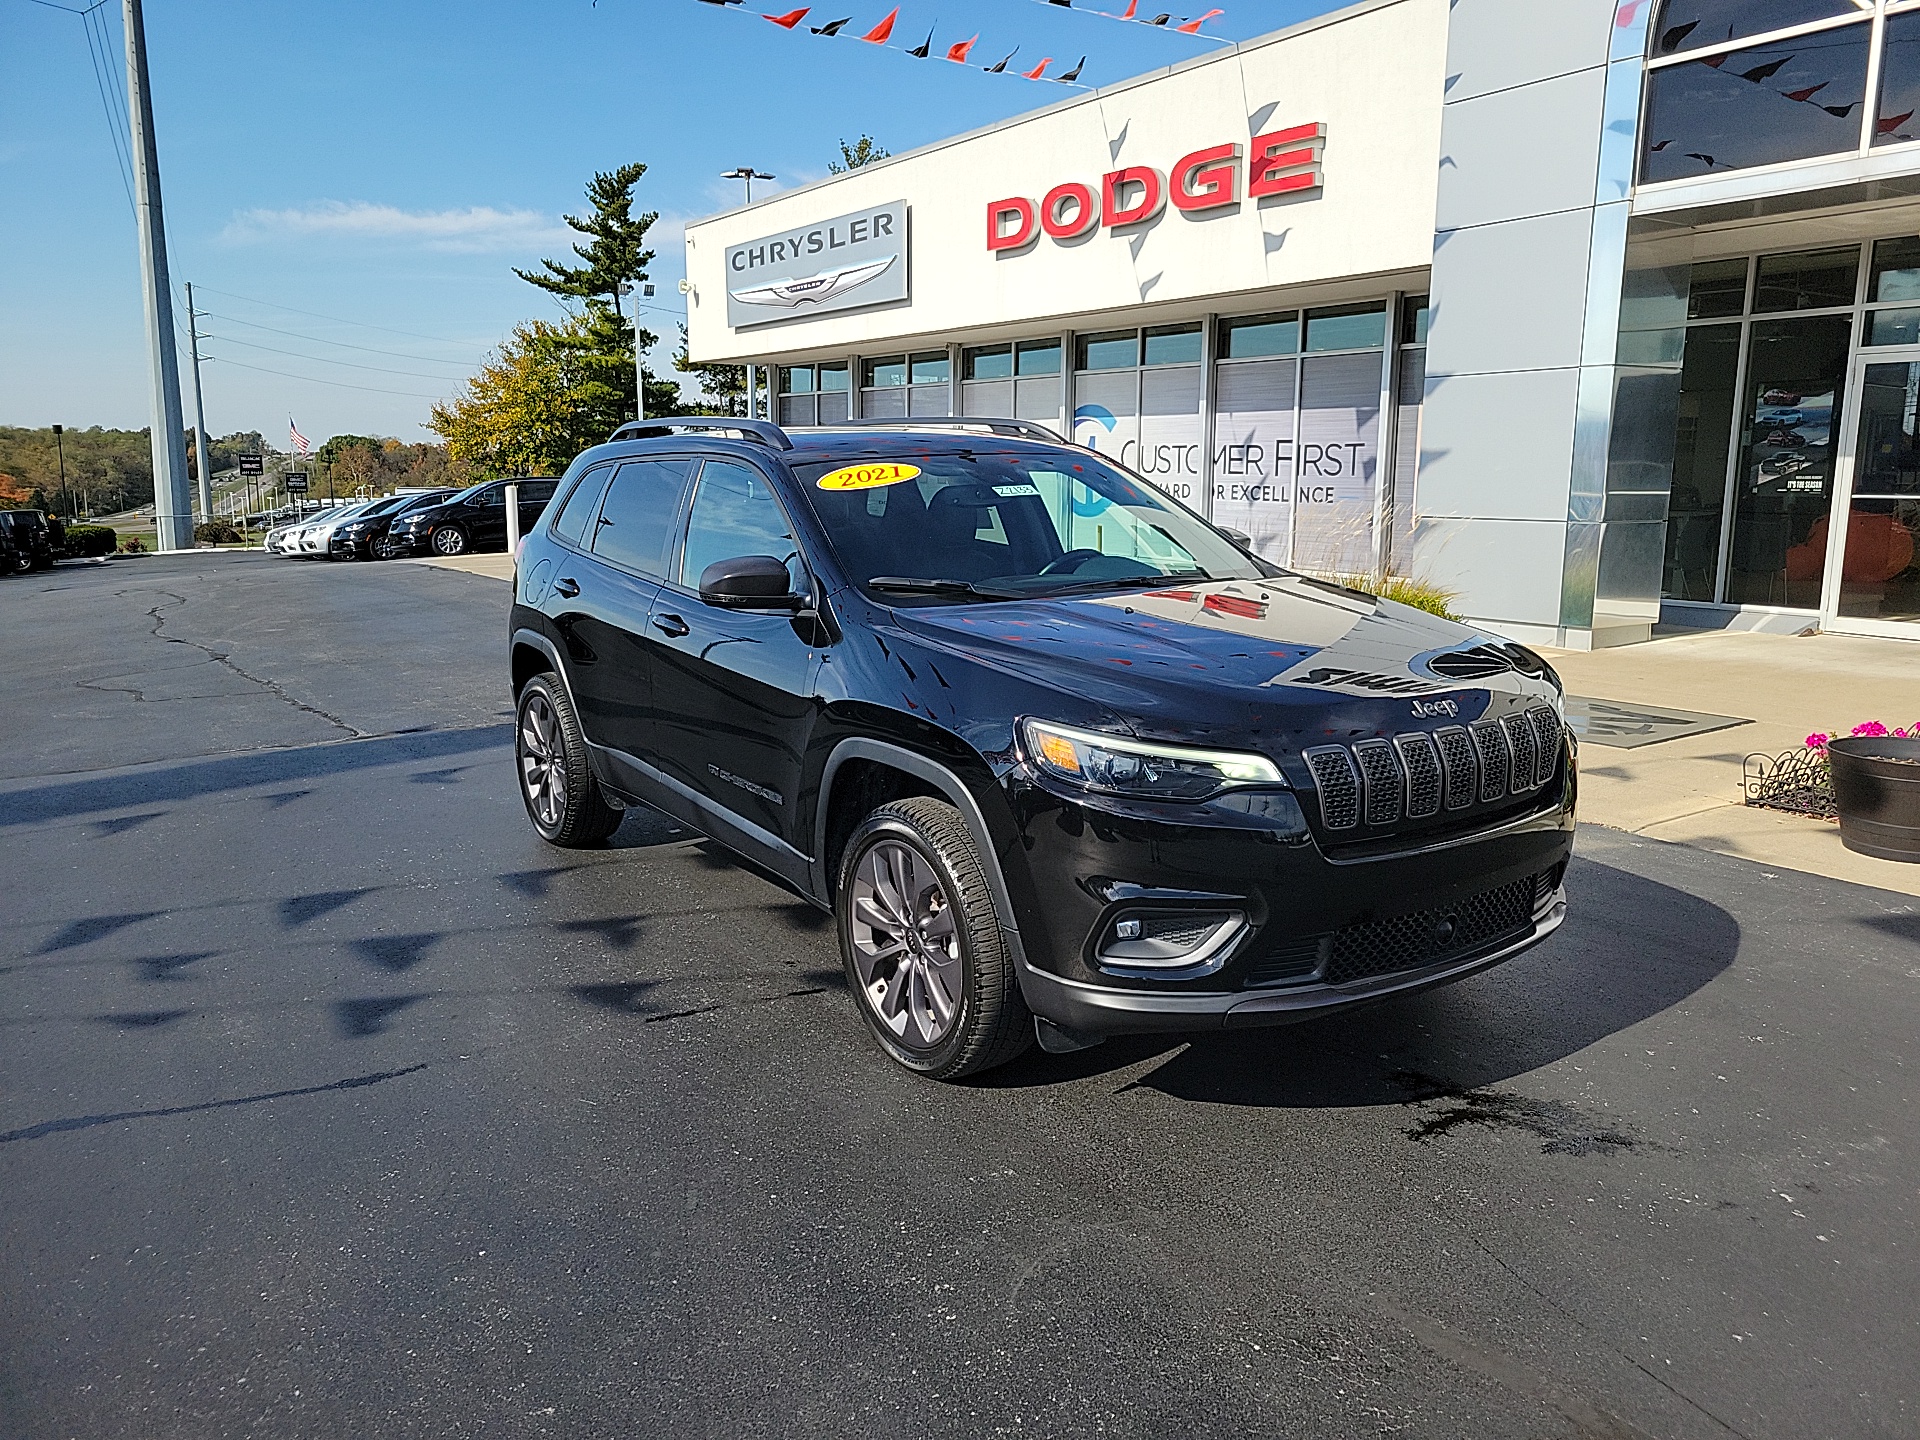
(1282, 162)
(839, 264)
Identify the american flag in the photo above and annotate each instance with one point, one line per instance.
(300, 443)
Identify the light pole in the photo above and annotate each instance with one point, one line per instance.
(61, 446)
(624, 287)
(748, 174)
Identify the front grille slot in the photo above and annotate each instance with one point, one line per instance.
(1289, 962)
(1548, 739)
(1433, 936)
(1490, 743)
(1380, 781)
(1520, 739)
(1338, 784)
(1463, 771)
(1422, 762)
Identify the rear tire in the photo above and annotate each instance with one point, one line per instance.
(923, 950)
(557, 784)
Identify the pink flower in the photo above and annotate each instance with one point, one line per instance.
(1870, 728)
(1818, 740)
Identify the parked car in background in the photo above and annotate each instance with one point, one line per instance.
(313, 536)
(475, 519)
(276, 539)
(32, 538)
(10, 555)
(361, 537)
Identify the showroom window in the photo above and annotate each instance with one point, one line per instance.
(899, 385)
(1737, 83)
(1021, 379)
(813, 394)
(1136, 396)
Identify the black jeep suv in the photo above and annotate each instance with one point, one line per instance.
(1056, 753)
(473, 519)
(32, 537)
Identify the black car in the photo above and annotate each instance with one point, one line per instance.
(474, 519)
(1056, 753)
(11, 556)
(32, 539)
(362, 537)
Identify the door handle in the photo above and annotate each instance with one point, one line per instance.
(566, 588)
(671, 626)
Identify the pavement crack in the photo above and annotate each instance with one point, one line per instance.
(87, 1122)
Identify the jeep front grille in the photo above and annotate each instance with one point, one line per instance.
(1380, 783)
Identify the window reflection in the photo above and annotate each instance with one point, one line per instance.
(1880, 571)
(1702, 440)
(1899, 81)
(1716, 288)
(1786, 100)
(1695, 24)
(1806, 280)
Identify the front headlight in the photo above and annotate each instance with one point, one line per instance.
(1120, 766)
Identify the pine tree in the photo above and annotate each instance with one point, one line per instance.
(862, 152)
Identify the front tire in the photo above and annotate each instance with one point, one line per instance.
(449, 540)
(922, 947)
(557, 784)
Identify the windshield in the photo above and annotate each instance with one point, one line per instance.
(987, 524)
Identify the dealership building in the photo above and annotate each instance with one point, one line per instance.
(1599, 313)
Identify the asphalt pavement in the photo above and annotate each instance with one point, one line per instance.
(333, 1103)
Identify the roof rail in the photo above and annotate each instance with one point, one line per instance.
(992, 424)
(764, 431)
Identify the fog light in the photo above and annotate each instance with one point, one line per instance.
(1127, 930)
(1191, 942)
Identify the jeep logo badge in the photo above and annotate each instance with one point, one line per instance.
(1427, 709)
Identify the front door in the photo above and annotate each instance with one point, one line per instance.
(733, 690)
(1871, 564)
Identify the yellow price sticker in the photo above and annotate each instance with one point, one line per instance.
(866, 477)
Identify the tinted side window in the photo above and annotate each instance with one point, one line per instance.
(571, 524)
(537, 492)
(734, 513)
(636, 518)
(494, 497)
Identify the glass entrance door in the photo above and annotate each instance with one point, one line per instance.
(1870, 547)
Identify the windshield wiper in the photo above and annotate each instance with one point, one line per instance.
(1119, 582)
(911, 585)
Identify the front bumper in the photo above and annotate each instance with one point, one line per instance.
(400, 543)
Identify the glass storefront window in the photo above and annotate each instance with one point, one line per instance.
(1806, 280)
(987, 362)
(833, 378)
(1414, 311)
(1702, 439)
(931, 367)
(1894, 327)
(1716, 288)
(1795, 371)
(1895, 271)
(1347, 327)
(1173, 344)
(1037, 357)
(1109, 350)
(878, 374)
(1893, 116)
(1880, 570)
(1784, 100)
(1695, 24)
(796, 380)
(1250, 337)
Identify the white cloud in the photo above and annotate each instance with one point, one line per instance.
(474, 229)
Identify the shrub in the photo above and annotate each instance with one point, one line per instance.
(1420, 594)
(133, 546)
(91, 540)
(215, 532)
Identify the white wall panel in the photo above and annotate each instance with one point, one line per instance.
(1522, 152)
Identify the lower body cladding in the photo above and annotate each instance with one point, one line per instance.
(1136, 925)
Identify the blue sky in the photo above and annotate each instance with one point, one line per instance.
(383, 165)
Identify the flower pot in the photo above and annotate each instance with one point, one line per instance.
(1876, 788)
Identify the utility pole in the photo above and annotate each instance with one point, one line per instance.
(202, 455)
(61, 446)
(172, 507)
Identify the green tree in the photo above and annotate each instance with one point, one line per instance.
(862, 152)
(725, 386)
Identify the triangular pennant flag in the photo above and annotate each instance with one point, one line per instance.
(1133, 7)
(1034, 74)
(832, 27)
(1840, 112)
(1808, 93)
(1158, 20)
(1766, 71)
(1674, 36)
(1074, 74)
(1192, 27)
(958, 53)
(1893, 122)
(788, 20)
(996, 69)
(919, 52)
(882, 32)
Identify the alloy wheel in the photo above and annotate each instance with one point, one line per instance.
(543, 768)
(906, 945)
(449, 540)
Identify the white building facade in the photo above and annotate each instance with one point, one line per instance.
(1590, 311)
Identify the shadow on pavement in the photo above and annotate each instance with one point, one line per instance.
(1630, 949)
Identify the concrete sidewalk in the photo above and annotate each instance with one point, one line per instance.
(1688, 790)
(494, 567)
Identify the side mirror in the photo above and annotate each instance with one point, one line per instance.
(749, 582)
(1239, 537)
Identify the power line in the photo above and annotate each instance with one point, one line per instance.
(320, 340)
(316, 315)
(323, 360)
(117, 135)
(310, 380)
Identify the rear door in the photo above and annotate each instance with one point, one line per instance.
(602, 593)
(483, 515)
(534, 495)
(734, 693)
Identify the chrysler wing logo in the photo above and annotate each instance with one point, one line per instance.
(814, 289)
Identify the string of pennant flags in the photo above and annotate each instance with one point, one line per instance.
(960, 52)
